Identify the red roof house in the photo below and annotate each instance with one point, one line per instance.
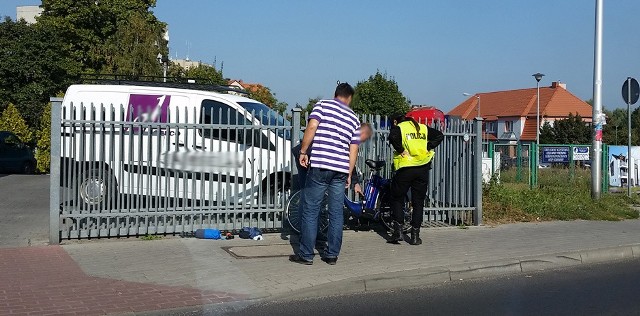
(511, 115)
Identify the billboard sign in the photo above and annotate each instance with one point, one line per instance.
(555, 154)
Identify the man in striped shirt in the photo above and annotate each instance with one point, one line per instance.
(334, 130)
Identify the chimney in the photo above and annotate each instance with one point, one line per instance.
(558, 84)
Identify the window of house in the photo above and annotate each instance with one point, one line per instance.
(508, 126)
(490, 127)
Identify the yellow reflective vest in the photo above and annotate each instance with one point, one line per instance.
(415, 143)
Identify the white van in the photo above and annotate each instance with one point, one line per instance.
(120, 141)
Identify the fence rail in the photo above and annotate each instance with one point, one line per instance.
(112, 176)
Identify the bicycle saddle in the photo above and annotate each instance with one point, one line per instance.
(376, 165)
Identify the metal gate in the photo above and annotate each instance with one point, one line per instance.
(110, 176)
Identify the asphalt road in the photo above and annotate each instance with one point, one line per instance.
(24, 210)
(606, 289)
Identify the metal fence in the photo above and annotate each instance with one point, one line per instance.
(113, 176)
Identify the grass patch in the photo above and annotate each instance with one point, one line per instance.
(559, 197)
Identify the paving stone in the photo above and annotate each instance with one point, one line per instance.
(132, 276)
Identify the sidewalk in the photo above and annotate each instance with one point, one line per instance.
(135, 276)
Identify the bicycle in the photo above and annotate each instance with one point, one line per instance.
(374, 204)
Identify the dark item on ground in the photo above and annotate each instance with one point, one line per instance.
(249, 232)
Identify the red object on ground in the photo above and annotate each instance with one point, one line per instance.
(427, 115)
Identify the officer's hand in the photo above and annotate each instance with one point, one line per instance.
(404, 153)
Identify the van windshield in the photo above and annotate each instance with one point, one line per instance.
(268, 117)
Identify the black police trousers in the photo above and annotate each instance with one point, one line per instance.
(416, 179)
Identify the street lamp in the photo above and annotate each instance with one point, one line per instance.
(538, 76)
(164, 61)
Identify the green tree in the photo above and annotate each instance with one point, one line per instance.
(616, 130)
(12, 121)
(43, 145)
(35, 65)
(281, 107)
(572, 130)
(202, 71)
(133, 49)
(262, 94)
(310, 104)
(547, 135)
(379, 95)
(95, 30)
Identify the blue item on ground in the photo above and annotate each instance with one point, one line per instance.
(208, 233)
(250, 232)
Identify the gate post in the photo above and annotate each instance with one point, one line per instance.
(477, 215)
(54, 173)
(295, 139)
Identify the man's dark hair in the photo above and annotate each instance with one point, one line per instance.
(344, 90)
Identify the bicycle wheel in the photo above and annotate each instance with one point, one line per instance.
(293, 213)
(383, 209)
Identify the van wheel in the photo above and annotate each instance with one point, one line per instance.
(96, 189)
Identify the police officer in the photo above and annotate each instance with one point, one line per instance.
(414, 145)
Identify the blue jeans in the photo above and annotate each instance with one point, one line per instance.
(319, 182)
(302, 178)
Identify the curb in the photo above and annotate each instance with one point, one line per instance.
(438, 275)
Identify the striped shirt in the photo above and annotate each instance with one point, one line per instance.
(338, 128)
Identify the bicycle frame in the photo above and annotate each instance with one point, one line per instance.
(372, 189)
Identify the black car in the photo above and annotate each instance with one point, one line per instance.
(15, 156)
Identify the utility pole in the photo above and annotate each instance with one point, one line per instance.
(596, 158)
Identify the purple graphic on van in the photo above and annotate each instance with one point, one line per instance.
(148, 108)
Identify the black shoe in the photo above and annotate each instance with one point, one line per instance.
(415, 236)
(330, 261)
(298, 259)
(396, 236)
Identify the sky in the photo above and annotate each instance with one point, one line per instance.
(435, 50)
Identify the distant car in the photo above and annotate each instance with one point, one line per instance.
(544, 166)
(15, 156)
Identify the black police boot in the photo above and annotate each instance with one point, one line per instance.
(415, 236)
(396, 236)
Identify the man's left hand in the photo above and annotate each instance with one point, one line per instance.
(358, 189)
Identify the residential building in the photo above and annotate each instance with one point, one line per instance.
(28, 13)
(250, 87)
(510, 116)
(187, 63)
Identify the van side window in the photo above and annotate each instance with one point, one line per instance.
(218, 113)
